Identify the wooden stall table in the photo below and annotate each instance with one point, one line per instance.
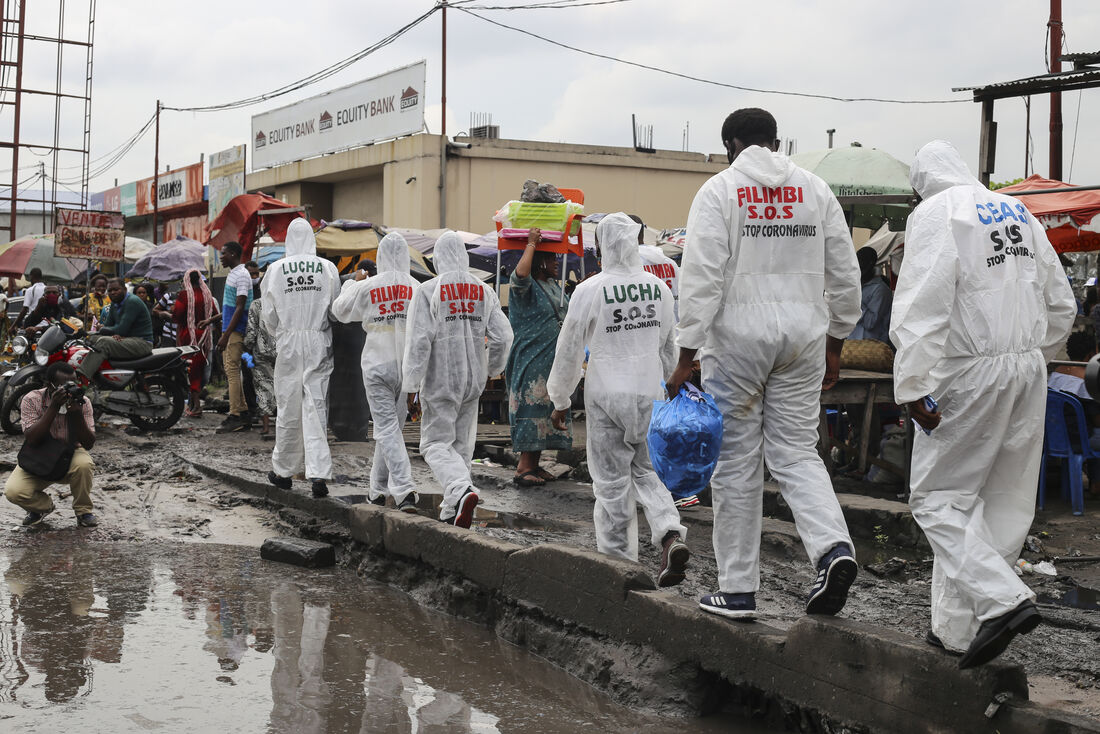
(860, 387)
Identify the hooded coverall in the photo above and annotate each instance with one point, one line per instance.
(381, 305)
(298, 292)
(981, 305)
(625, 316)
(665, 268)
(456, 338)
(768, 270)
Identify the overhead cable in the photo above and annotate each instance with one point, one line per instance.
(312, 78)
(703, 80)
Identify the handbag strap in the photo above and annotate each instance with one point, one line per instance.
(557, 310)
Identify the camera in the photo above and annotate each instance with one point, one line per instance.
(73, 391)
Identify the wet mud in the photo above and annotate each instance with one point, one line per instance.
(147, 491)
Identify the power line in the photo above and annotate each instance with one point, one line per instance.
(312, 78)
(550, 4)
(708, 81)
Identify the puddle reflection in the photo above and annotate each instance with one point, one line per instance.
(131, 638)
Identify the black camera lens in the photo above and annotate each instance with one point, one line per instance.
(1092, 377)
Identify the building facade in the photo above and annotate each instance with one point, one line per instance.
(410, 182)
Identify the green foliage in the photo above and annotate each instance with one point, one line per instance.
(994, 185)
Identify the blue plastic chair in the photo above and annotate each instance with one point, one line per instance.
(1067, 438)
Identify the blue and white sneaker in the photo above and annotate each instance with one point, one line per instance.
(734, 606)
(836, 571)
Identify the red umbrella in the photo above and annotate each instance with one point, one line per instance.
(1071, 218)
(240, 220)
(36, 251)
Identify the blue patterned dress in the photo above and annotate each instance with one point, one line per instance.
(534, 313)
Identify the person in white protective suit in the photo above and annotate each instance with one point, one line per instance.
(381, 305)
(456, 338)
(981, 305)
(770, 289)
(298, 292)
(624, 316)
(661, 265)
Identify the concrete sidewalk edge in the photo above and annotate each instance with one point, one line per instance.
(850, 671)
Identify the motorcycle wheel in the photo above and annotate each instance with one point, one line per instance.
(170, 389)
(10, 410)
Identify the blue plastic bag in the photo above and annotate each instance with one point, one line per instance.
(685, 435)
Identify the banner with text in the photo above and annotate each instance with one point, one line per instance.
(176, 188)
(380, 108)
(90, 235)
(226, 179)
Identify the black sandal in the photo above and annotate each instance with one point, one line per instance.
(529, 479)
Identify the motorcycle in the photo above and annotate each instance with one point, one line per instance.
(151, 391)
(23, 353)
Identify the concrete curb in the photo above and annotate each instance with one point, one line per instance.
(853, 673)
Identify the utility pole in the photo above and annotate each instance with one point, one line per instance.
(443, 101)
(830, 131)
(1055, 25)
(443, 127)
(156, 176)
(42, 177)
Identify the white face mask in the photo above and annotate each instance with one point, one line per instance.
(255, 281)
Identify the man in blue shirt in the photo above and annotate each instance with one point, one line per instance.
(876, 300)
(126, 331)
(236, 298)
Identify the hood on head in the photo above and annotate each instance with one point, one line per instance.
(618, 237)
(449, 254)
(764, 165)
(393, 254)
(300, 239)
(937, 167)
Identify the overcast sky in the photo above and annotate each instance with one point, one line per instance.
(205, 52)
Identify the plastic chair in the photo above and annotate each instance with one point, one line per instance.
(1067, 438)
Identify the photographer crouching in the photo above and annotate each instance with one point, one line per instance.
(58, 431)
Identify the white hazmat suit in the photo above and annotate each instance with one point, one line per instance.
(665, 268)
(981, 304)
(457, 337)
(768, 270)
(381, 305)
(298, 292)
(625, 317)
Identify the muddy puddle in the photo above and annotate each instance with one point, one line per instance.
(139, 637)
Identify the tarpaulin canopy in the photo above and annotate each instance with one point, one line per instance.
(423, 240)
(346, 237)
(859, 171)
(19, 257)
(170, 260)
(351, 240)
(1071, 218)
(240, 220)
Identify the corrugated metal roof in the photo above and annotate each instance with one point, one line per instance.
(1077, 78)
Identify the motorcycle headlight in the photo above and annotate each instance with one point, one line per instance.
(41, 357)
(19, 345)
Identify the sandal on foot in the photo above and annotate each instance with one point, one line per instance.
(528, 479)
(545, 475)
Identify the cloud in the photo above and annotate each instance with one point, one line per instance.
(208, 51)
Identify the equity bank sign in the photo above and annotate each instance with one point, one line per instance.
(380, 108)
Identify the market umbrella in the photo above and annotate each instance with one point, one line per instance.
(171, 260)
(240, 219)
(136, 248)
(859, 171)
(32, 251)
(1071, 218)
(269, 254)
